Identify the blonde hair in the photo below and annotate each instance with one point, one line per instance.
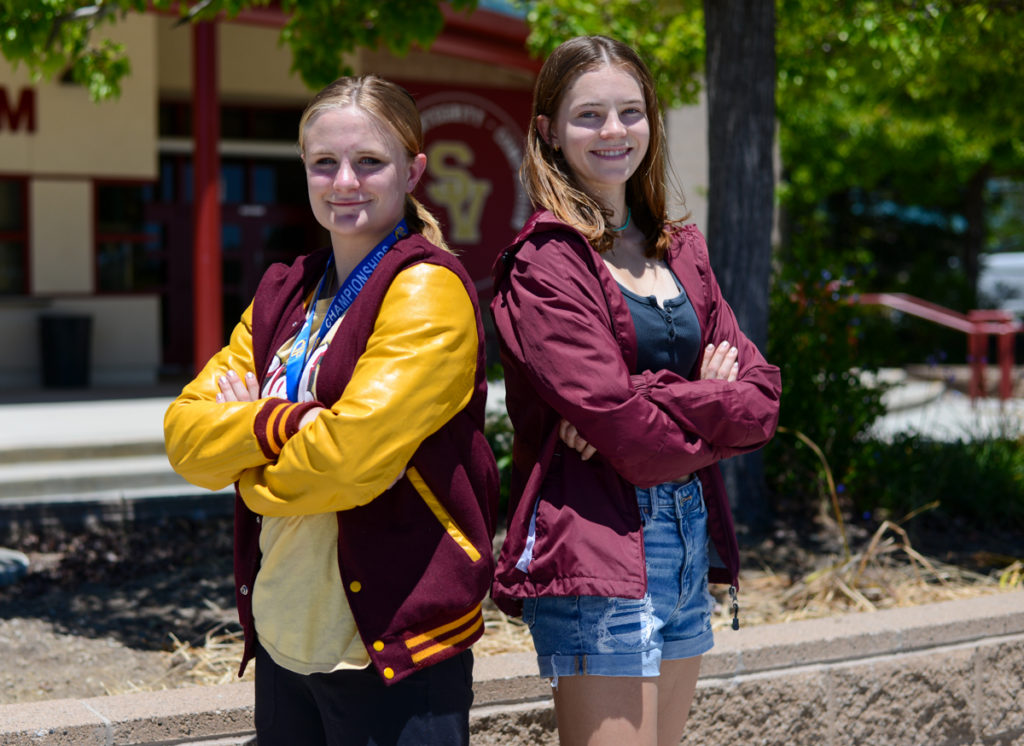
(550, 181)
(395, 111)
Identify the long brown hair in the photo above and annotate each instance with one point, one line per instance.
(548, 178)
(394, 110)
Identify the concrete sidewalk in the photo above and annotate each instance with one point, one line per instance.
(100, 423)
(71, 462)
(927, 407)
(91, 447)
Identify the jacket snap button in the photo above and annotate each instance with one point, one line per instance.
(378, 646)
(244, 590)
(388, 673)
(355, 586)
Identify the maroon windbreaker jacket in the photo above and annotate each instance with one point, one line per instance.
(569, 350)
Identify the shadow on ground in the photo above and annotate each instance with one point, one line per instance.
(136, 584)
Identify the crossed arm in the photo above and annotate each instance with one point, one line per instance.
(719, 363)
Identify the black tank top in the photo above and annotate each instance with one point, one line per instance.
(668, 337)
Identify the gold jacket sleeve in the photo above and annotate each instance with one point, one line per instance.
(416, 373)
(211, 443)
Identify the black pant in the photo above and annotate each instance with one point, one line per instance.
(355, 708)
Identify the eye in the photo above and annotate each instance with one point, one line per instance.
(369, 161)
(323, 162)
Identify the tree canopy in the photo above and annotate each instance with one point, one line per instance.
(893, 118)
(667, 34)
(899, 90)
(59, 37)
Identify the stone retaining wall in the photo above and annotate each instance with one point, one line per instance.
(943, 675)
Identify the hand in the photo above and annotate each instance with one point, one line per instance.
(572, 438)
(312, 415)
(233, 388)
(719, 363)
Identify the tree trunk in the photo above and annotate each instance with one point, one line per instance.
(740, 40)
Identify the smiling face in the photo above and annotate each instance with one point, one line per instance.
(358, 175)
(602, 129)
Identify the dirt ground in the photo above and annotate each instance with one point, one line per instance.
(103, 609)
(95, 613)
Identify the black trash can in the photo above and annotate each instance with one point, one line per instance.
(65, 340)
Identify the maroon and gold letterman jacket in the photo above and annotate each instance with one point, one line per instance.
(414, 557)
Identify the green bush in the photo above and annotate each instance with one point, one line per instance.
(825, 345)
(980, 481)
(816, 337)
(498, 430)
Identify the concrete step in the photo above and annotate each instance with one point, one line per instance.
(62, 478)
(76, 451)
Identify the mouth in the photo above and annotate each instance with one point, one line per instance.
(611, 153)
(343, 203)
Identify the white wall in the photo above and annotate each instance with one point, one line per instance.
(61, 238)
(124, 347)
(687, 134)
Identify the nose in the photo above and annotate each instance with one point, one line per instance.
(345, 177)
(613, 126)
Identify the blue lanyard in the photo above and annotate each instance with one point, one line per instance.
(346, 294)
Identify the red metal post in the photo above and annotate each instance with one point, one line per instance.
(1006, 343)
(977, 325)
(206, 253)
(1002, 325)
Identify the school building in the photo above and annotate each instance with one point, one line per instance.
(100, 253)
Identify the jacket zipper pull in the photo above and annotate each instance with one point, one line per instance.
(735, 607)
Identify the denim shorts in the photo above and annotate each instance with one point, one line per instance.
(601, 636)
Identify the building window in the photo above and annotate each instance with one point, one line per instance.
(13, 237)
(130, 255)
(237, 122)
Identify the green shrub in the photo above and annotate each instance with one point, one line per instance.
(980, 481)
(824, 345)
(816, 338)
(498, 430)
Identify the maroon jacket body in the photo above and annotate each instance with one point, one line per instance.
(425, 588)
(569, 351)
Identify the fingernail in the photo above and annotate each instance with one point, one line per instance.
(250, 375)
(724, 345)
(220, 397)
(222, 379)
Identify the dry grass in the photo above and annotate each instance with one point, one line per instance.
(887, 573)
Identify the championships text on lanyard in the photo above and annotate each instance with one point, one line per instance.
(346, 294)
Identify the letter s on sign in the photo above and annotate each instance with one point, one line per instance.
(453, 187)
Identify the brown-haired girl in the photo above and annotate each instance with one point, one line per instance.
(627, 380)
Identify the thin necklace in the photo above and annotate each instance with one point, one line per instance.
(620, 228)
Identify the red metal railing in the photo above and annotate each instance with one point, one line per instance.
(977, 325)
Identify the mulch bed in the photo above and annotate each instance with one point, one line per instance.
(116, 608)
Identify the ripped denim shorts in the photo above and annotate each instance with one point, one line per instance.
(601, 636)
